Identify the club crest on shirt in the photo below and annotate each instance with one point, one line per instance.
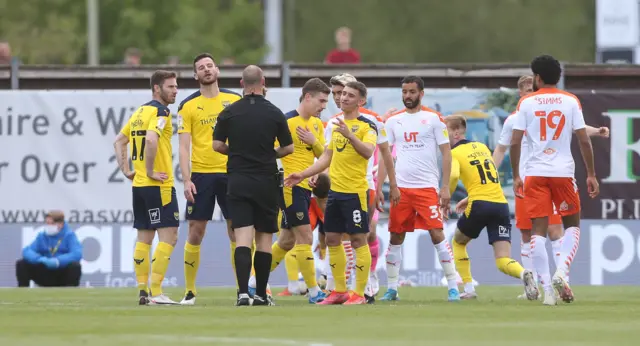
(315, 127)
(225, 104)
(355, 128)
(300, 215)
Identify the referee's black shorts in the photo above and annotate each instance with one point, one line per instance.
(253, 200)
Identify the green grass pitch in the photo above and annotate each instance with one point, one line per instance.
(66, 317)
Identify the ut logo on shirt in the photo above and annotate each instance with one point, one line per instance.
(411, 136)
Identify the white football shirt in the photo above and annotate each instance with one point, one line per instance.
(505, 139)
(549, 116)
(382, 138)
(417, 138)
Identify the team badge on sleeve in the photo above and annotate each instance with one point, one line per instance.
(162, 122)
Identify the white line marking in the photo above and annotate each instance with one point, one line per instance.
(212, 339)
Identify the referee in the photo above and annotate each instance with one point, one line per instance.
(251, 126)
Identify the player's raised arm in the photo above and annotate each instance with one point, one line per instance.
(364, 148)
(319, 166)
(122, 155)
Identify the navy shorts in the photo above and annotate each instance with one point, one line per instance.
(296, 211)
(154, 207)
(494, 216)
(346, 213)
(210, 187)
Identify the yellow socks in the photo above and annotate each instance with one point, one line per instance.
(142, 265)
(253, 254)
(510, 267)
(159, 266)
(338, 264)
(463, 263)
(291, 265)
(307, 265)
(277, 254)
(362, 268)
(191, 264)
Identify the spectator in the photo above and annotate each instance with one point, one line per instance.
(5, 53)
(53, 259)
(343, 53)
(132, 57)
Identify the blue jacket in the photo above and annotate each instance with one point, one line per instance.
(63, 246)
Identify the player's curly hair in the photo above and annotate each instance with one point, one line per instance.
(548, 68)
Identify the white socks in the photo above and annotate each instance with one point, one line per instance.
(568, 249)
(527, 262)
(541, 260)
(446, 260)
(394, 259)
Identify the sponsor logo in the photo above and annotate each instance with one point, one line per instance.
(154, 215)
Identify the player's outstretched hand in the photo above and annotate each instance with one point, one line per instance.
(342, 128)
(293, 179)
(394, 195)
(190, 191)
(305, 135)
(462, 205)
(445, 202)
(518, 187)
(593, 187)
(158, 176)
(603, 132)
(130, 175)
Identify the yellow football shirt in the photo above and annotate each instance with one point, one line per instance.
(303, 156)
(348, 169)
(198, 116)
(472, 163)
(156, 117)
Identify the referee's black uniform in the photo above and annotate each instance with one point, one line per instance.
(251, 126)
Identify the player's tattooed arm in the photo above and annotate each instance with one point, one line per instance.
(122, 156)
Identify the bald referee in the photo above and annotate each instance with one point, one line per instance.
(251, 126)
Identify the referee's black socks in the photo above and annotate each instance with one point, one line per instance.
(262, 265)
(243, 268)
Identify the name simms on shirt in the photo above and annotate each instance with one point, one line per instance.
(549, 116)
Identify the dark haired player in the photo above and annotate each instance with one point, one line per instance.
(155, 207)
(204, 171)
(550, 116)
(352, 144)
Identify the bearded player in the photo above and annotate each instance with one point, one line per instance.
(204, 170)
(418, 133)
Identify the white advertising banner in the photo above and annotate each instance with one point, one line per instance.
(57, 146)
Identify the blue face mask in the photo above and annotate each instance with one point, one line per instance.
(51, 230)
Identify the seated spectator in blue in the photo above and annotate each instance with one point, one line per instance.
(53, 259)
